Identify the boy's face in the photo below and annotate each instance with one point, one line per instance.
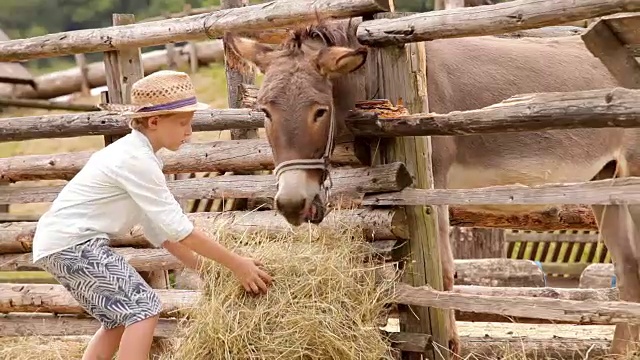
(171, 131)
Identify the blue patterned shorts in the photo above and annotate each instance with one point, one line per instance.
(103, 282)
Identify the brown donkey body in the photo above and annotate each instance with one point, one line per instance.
(318, 74)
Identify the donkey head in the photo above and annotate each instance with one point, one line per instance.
(297, 98)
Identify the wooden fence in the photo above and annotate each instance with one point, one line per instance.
(390, 209)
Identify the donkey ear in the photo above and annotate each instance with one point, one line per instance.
(337, 60)
(250, 50)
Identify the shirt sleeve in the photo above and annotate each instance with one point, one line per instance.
(151, 232)
(143, 179)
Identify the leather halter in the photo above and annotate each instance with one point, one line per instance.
(322, 163)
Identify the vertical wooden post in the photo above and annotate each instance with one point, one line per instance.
(123, 68)
(191, 46)
(85, 86)
(452, 4)
(398, 73)
(235, 79)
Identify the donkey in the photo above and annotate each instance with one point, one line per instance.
(312, 79)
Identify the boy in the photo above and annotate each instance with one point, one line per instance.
(120, 186)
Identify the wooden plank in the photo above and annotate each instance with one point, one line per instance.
(223, 155)
(85, 85)
(595, 312)
(602, 192)
(45, 104)
(498, 272)
(486, 20)
(476, 243)
(349, 185)
(254, 18)
(49, 298)
(109, 123)
(397, 73)
(613, 53)
(568, 344)
(563, 217)
(59, 83)
(602, 108)
(597, 276)
(376, 224)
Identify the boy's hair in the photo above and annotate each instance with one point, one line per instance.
(139, 123)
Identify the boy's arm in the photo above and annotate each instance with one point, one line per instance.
(184, 254)
(146, 184)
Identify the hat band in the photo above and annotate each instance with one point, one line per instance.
(171, 105)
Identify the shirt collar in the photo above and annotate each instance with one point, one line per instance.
(144, 141)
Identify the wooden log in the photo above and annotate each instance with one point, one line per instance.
(378, 224)
(485, 20)
(598, 276)
(603, 108)
(223, 155)
(556, 218)
(569, 346)
(349, 185)
(272, 14)
(69, 81)
(594, 312)
(155, 259)
(405, 80)
(606, 45)
(602, 192)
(53, 298)
(477, 243)
(49, 105)
(610, 294)
(498, 272)
(109, 123)
(500, 348)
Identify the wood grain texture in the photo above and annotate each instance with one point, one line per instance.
(270, 14)
(556, 218)
(597, 276)
(376, 224)
(617, 107)
(108, 123)
(606, 45)
(593, 312)
(59, 83)
(486, 20)
(498, 272)
(223, 155)
(398, 74)
(45, 104)
(39, 298)
(566, 345)
(349, 185)
(603, 192)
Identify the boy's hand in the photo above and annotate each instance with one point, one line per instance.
(250, 275)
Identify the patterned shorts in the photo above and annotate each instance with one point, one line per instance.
(103, 282)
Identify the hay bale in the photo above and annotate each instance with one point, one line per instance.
(323, 303)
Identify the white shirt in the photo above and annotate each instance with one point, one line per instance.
(122, 185)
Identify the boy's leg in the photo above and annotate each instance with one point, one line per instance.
(104, 344)
(136, 342)
(112, 291)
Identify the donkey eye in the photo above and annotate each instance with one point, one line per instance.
(319, 113)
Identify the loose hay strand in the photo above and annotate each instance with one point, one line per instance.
(323, 304)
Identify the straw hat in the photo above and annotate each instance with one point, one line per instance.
(163, 92)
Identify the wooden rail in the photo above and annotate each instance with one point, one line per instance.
(271, 14)
(486, 20)
(617, 107)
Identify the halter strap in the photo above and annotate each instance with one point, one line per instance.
(314, 164)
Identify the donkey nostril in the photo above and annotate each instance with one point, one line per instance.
(292, 206)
